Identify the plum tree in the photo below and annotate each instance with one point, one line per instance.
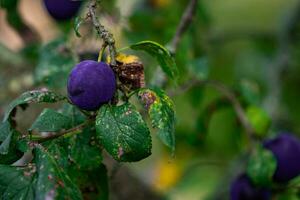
(286, 149)
(91, 84)
(243, 189)
(62, 9)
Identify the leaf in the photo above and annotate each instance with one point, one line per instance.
(123, 132)
(51, 121)
(77, 22)
(8, 4)
(54, 64)
(250, 92)
(52, 180)
(261, 167)
(161, 112)
(94, 183)
(8, 148)
(17, 183)
(85, 152)
(258, 119)
(34, 96)
(72, 112)
(162, 55)
(5, 130)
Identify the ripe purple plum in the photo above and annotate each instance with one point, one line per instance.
(286, 149)
(243, 189)
(62, 9)
(91, 84)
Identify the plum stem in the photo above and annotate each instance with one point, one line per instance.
(106, 36)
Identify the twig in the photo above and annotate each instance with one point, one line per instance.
(71, 131)
(228, 94)
(185, 22)
(104, 34)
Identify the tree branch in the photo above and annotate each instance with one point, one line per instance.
(228, 94)
(70, 131)
(104, 34)
(184, 24)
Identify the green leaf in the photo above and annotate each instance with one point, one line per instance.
(8, 4)
(259, 120)
(85, 152)
(34, 96)
(161, 112)
(8, 148)
(123, 132)
(77, 22)
(54, 64)
(161, 54)
(72, 112)
(261, 167)
(250, 91)
(17, 183)
(52, 180)
(94, 183)
(51, 121)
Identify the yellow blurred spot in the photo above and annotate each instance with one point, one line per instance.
(167, 175)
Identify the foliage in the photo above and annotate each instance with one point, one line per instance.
(236, 84)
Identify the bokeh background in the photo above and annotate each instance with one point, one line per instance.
(252, 46)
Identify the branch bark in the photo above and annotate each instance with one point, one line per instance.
(104, 34)
(228, 94)
(184, 24)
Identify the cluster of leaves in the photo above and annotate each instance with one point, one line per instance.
(65, 146)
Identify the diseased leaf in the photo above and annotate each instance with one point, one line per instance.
(261, 167)
(123, 132)
(17, 183)
(161, 112)
(51, 121)
(54, 64)
(34, 96)
(161, 54)
(52, 180)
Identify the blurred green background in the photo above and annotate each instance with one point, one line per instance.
(252, 46)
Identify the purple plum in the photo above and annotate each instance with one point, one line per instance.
(62, 9)
(91, 84)
(243, 189)
(286, 149)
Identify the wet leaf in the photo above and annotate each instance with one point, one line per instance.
(51, 121)
(34, 96)
(17, 183)
(123, 132)
(52, 181)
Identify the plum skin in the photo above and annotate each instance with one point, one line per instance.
(91, 84)
(286, 149)
(62, 9)
(243, 189)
